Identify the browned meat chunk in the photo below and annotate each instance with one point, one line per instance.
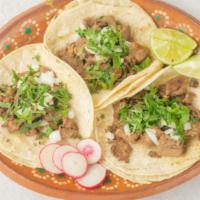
(69, 55)
(194, 83)
(89, 22)
(175, 87)
(133, 138)
(105, 21)
(188, 98)
(32, 132)
(195, 131)
(136, 55)
(12, 126)
(126, 32)
(154, 154)
(118, 73)
(169, 147)
(117, 107)
(121, 149)
(69, 129)
(195, 112)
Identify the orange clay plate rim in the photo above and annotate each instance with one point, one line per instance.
(165, 16)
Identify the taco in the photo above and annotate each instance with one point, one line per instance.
(107, 43)
(42, 100)
(152, 134)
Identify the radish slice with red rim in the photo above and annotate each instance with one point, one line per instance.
(59, 153)
(90, 149)
(46, 155)
(94, 177)
(74, 164)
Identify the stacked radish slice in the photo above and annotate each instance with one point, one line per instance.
(79, 163)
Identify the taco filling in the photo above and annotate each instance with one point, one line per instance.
(37, 104)
(161, 118)
(104, 53)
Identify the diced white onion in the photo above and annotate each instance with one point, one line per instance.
(71, 114)
(39, 107)
(172, 125)
(126, 129)
(118, 50)
(19, 84)
(47, 78)
(169, 131)
(55, 136)
(44, 123)
(163, 123)
(48, 99)
(152, 135)
(35, 65)
(187, 126)
(110, 136)
(175, 137)
(74, 38)
(90, 51)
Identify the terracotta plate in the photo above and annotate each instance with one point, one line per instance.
(29, 28)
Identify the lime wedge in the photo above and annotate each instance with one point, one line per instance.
(190, 68)
(171, 46)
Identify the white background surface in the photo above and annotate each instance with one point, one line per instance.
(11, 191)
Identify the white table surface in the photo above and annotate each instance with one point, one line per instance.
(11, 191)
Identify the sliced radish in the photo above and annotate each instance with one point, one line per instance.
(74, 164)
(90, 149)
(94, 177)
(46, 155)
(59, 153)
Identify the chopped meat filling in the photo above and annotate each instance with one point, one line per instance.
(175, 87)
(168, 145)
(69, 129)
(121, 149)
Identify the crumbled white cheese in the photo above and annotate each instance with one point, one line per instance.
(152, 135)
(55, 136)
(126, 129)
(110, 136)
(71, 114)
(187, 126)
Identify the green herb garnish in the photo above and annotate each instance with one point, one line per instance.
(152, 110)
(146, 63)
(33, 101)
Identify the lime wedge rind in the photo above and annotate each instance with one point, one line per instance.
(171, 46)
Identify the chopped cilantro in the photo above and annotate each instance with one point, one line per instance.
(146, 63)
(47, 131)
(5, 105)
(30, 104)
(98, 79)
(107, 42)
(151, 110)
